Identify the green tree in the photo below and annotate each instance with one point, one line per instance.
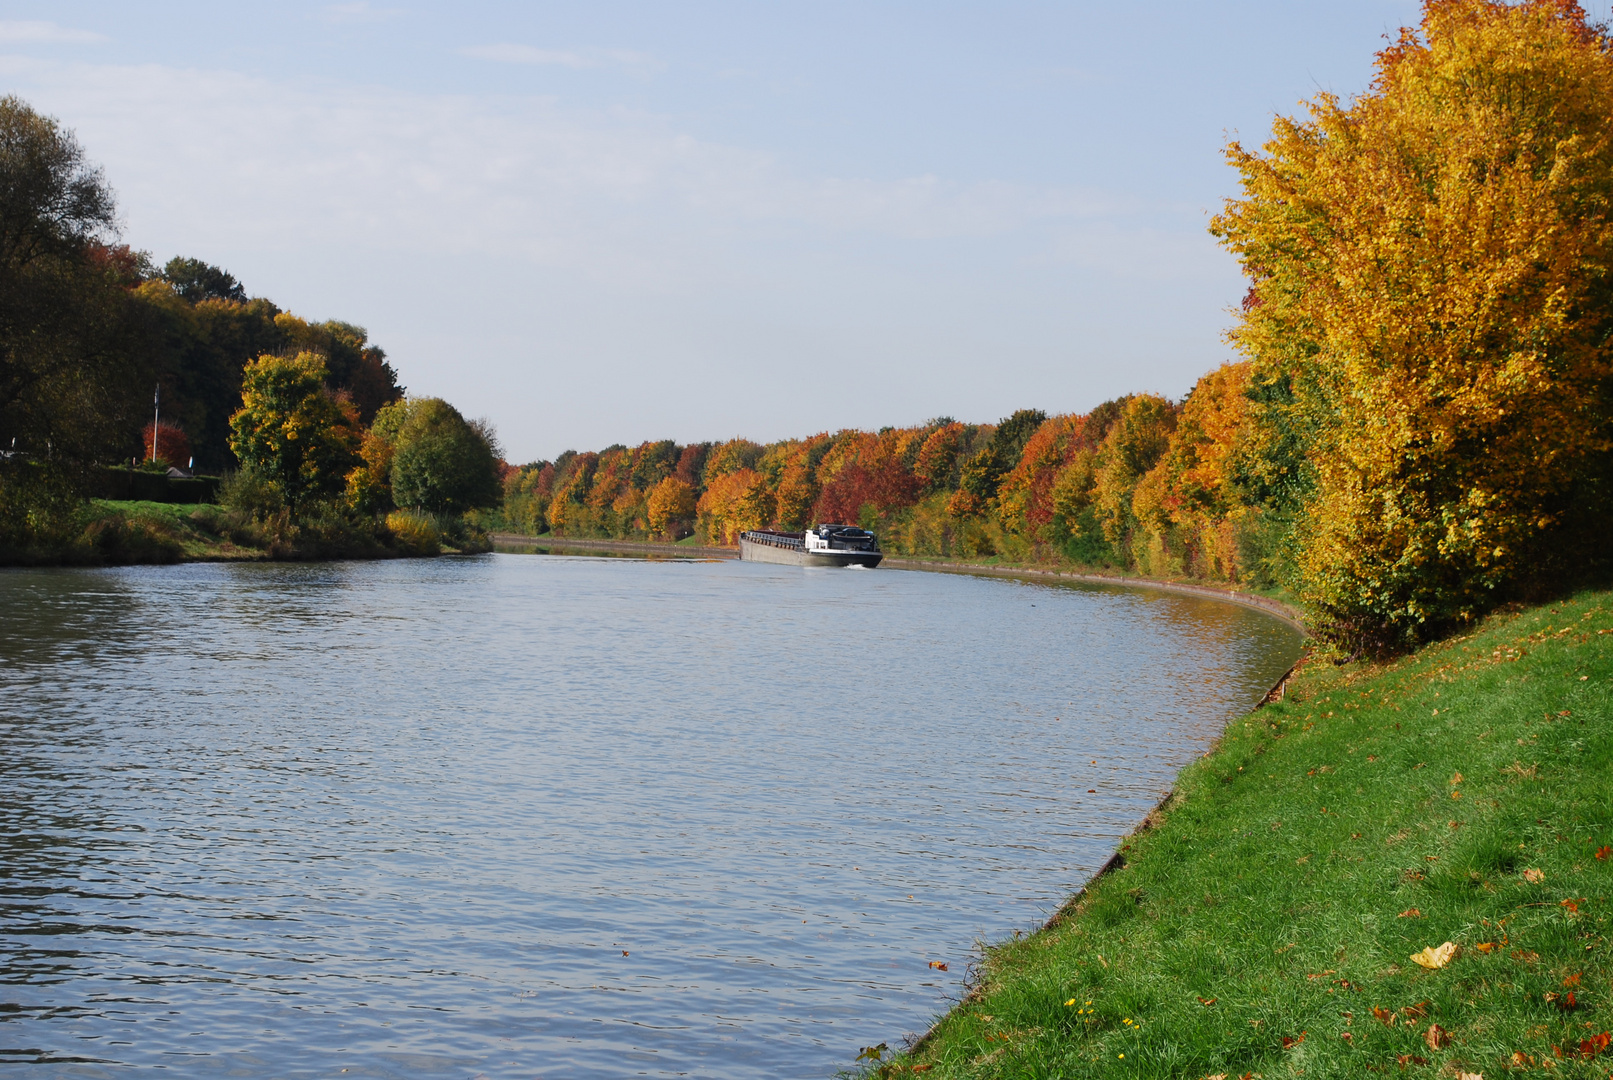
(73, 353)
(291, 431)
(196, 280)
(441, 462)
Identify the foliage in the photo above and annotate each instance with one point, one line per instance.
(74, 349)
(173, 448)
(290, 432)
(1430, 317)
(194, 280)
(1264, 920)
(671, 508)
(415, 532)
(734, 503)
(440, 462)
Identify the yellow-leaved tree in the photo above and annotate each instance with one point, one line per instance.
(1429, 319)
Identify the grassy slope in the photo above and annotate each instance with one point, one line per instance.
(1464, 794)
(175, 521)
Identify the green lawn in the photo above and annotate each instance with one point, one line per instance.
(1264, 925)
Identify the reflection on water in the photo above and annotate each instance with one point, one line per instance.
(517, 815)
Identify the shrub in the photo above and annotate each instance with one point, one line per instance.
(414, 533)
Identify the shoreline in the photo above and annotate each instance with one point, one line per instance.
(1276, 608)
(1275, 894)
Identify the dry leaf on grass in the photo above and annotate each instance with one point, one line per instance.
(1436, 1037)
(1435, 958)
(1533, 876)
(1293, 1041)
(1386, 1016)
(1410, 913)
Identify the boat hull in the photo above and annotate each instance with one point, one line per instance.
(751, 551)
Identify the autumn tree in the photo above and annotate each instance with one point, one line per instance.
(671, 507)
(1430, 318)
(291, 432)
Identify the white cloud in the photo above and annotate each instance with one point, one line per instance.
(511, 53)
(45, 33)
(507, 250)
(608, 192)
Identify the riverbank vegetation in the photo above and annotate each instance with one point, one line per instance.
(1421, 423)
(1399, 869)
(307, 420)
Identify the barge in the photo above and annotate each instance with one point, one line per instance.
(826, 545)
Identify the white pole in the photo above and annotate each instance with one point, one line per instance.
(156, 414)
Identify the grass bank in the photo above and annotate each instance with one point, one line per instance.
(126, 532)
(1265, 920)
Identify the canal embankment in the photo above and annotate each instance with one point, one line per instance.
(1400, 868)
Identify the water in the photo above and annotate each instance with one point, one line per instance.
(518, 816)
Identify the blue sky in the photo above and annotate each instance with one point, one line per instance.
(607, 222)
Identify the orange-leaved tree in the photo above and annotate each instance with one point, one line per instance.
(671, 507)
(1430, 318)
(736, 502)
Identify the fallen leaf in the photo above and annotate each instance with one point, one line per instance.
(1469, 1076)
(1525, 957)
(1295, 1041)
(1346, 1036)
(1456, 779)
(1603, 852)
(938, 965)
(1436, 1037)
(1521, 1060)
(923, 1068)
(1573, 908)
(1319, 974)
(1595, 1044)
(1410, 913)
(1415, 1012)
(624, 952)
(1207, 1002)
(1410, 1059)
(1436, 958)
(1572, 980)
(1387, 1016)
(1533, 876)
(1485, 946)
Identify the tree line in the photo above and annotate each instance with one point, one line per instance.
(1419, 427)
(308, 419)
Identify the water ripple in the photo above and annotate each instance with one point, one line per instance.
(573, 817)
